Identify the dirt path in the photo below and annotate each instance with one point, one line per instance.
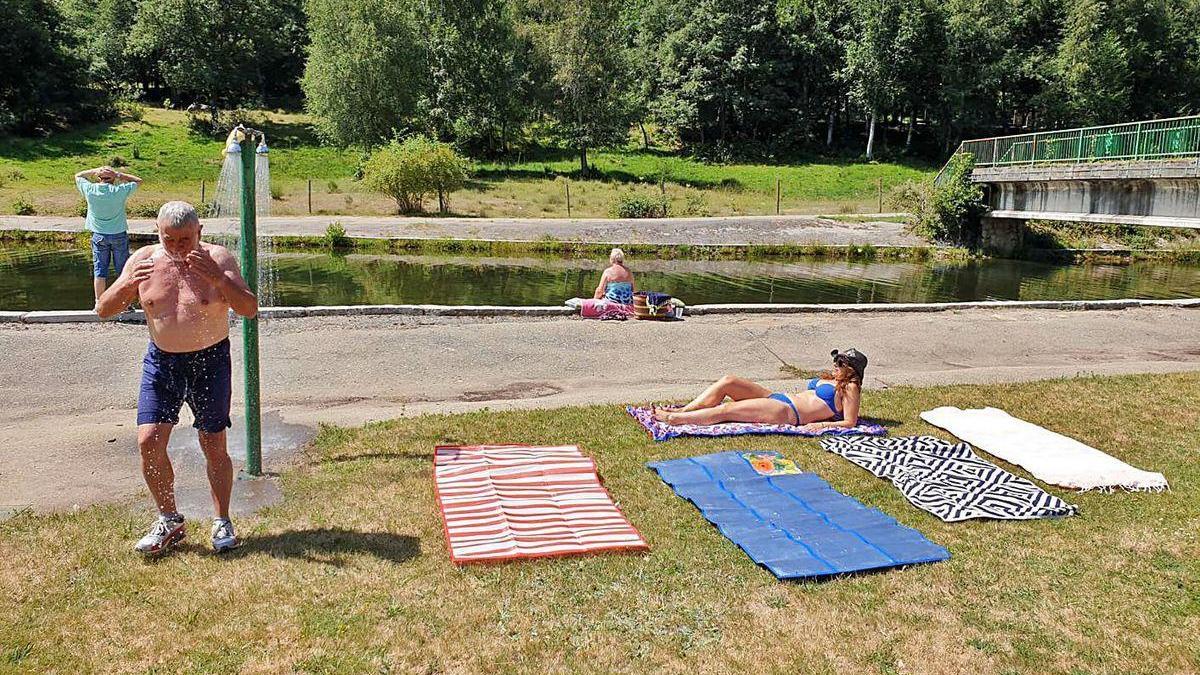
(731, 230)
(67, 407)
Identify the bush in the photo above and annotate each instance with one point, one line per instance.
(411, 170)
(333, 187)
(694, 204)
(335, 237)
(635, 205)
(205, 120)
(130, 110)
(81, 208)
(276, 193)
(117, 161)
(143, 210)
(947, 213)
(23, 208)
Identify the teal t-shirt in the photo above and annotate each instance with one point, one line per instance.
(106, 205)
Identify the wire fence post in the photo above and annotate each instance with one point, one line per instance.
(310, 196)
(567, 185)
(778, 193)
(202, 192)
(879, 186)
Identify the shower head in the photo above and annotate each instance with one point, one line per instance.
(262, 144)
(233, 144)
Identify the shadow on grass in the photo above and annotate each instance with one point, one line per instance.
(387, 456)
(290, 134)
(330, 545)
(881, 421)
(603, 176)
(93, 139)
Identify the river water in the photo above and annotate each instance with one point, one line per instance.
(33, 278)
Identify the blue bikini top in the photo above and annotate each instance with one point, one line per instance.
(826, 392)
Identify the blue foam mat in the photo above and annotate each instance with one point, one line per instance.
(796, 525)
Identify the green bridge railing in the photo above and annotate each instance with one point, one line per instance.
(1174, 138)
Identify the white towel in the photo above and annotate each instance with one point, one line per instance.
(1049, 456)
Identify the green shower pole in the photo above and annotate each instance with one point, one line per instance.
(249, 250)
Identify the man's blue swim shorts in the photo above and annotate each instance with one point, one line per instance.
(200, 378)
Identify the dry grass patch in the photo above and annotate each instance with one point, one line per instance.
(350, 572)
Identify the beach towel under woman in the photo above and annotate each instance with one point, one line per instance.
(661, 431)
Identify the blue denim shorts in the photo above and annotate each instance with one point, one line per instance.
(109, 249)
(202, 379)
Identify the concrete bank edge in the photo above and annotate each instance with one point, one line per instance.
(82, 316)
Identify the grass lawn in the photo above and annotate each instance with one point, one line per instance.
(350, 573)
(174, 162)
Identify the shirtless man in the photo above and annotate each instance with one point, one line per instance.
(186, 288)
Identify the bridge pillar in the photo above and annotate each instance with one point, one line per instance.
(1001, 236)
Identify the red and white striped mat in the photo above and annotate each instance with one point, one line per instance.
(504, 502)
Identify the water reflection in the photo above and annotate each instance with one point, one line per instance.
(33, 278)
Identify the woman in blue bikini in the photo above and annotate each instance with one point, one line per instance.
(830, 400)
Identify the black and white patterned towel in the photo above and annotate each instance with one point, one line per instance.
(948, 479)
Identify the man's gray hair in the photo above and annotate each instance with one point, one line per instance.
(178, 214)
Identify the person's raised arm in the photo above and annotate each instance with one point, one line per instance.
(128, 178)
(220, 268)
(124, 290)
(90, 174)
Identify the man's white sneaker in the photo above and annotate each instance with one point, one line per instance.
(163, 535)
(223, 536)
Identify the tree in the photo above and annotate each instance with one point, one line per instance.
(410, 170)
(728, 74)
(101, 29)
(592, 104)
(917, 54)
(1093, 76)
(222, 52)
(366, 71)
(479, 94)
(43, 85)
(875, 81)
(816, 31)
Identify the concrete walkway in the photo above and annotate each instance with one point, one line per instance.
(67, 410)
(732, 230)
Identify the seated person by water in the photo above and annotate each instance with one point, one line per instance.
(829, 400)
(105, 189)
(616, 283)
(186, 288)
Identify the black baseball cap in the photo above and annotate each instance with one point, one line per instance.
(853, 358)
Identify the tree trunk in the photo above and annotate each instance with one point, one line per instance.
(583, 165)
(912, 122)
(645, 136)
(871, 137)
(441, 200)
(829, 130)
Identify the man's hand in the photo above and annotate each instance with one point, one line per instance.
(141, 272)
(205, 266)
(106, 173)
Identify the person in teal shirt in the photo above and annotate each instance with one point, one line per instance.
(106, 190)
